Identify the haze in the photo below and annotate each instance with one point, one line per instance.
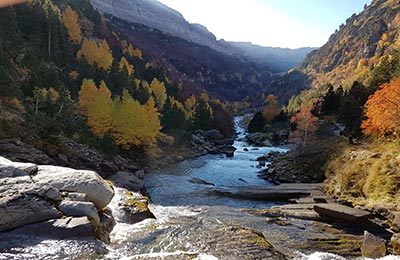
(276, 23)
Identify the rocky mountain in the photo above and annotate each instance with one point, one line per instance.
(356, 47)
(154, 14)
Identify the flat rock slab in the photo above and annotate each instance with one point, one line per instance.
(280, 192)
(341, 212)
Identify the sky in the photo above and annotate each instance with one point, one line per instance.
(276, 23)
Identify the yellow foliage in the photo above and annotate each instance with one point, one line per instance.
(123, 63)
(157, 88)
(100, 112)
(98, 55)
(53, 95)
(71, 22)
(15, 103)
(134, 125)
(132, 52)
(87, 95)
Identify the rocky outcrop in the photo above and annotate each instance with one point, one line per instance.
(212, 142)
(19, 151)
(32, 194)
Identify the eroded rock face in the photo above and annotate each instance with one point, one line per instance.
(395, 243)
(31, 194)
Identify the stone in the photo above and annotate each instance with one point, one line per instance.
(79, 209)
(59, 228)
(76, 196)
(66, 179)
(128, 180)
(106, 225)
(373, 246)
(342, 212)
(229, 154)
(21, 209)
(130, 207)
(395, 243)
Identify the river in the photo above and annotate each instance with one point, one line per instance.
(192, 222)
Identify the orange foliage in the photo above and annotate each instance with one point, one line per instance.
(271, 109)
(383, 111)
(306, 124)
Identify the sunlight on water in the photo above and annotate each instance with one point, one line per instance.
(327, 256)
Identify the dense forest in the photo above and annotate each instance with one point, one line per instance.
(65, 74)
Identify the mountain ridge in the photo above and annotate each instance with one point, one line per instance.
(154, 14)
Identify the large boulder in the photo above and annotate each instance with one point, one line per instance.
(31, 194)
(66, 179)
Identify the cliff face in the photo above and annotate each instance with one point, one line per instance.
(156, 15)
(357, 46)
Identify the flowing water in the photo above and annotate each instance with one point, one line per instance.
(192, 222)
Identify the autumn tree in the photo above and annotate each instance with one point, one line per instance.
(134, 125)
(71, 22)
(271, 109)
(124, 65)
(87, 95)
(100, 112)
(98, 55)
(306, 124)
(157, 88)
(383, 111)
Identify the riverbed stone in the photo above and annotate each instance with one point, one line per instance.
(67, 179)
(128, 180)
(59, 228)
(373, 246)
